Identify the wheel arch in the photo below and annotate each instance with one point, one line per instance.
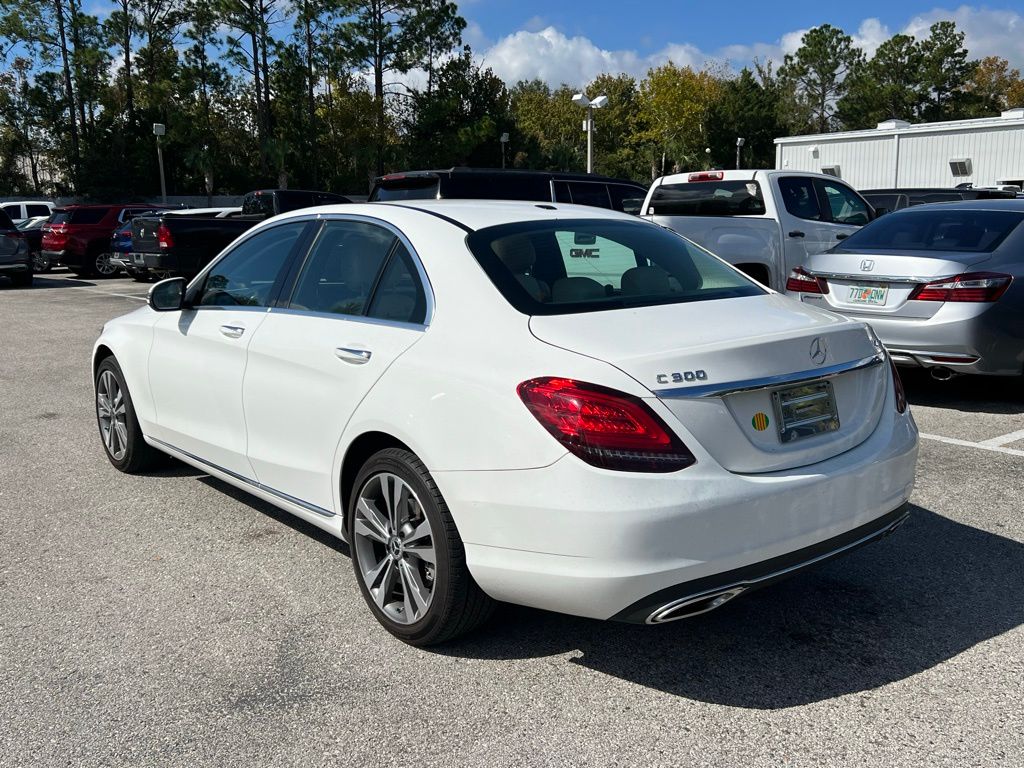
(101, 353)
(757, 270)
(356, 455)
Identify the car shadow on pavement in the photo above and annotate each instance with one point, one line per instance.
(879, 615)
(973, 394)
(59, 282)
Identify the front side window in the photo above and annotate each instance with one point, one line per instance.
(87, 215)
(846, 205)
(584, 265)
(37, 210)
(799, 197)
(246, 276)
(342, 268)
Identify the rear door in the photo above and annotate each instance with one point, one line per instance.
(358, 303)
(803, 218)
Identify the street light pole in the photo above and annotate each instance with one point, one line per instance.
(159, 129)
(740, 141)
(582, 100)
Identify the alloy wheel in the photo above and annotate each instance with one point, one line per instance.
(104, 265)
(40, 263)
(394, 548)
(111, 410)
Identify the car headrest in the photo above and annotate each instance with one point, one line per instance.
(516, 252)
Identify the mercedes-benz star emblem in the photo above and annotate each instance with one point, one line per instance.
(819, 350)
(867, 265)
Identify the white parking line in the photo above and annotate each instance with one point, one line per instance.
(969, 444)
(110, 293)
(1010, 437)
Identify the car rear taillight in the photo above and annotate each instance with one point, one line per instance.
(897, 383)
(604, 427)
(706, 176)
(973, 287)
(164, 238)
(803, 282)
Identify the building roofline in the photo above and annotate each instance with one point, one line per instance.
(949, 126)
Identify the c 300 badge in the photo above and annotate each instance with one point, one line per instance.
(680, 377)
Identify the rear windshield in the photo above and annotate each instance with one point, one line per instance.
(708, 198)
(938, 229)
(587, 265)
(409, 188)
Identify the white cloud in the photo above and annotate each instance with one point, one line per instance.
(556, 58)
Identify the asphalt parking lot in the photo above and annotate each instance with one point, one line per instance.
(172, 620)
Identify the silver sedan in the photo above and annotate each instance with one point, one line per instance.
(942, 285)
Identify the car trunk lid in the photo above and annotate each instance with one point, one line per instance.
(733, 372)
(871, 283)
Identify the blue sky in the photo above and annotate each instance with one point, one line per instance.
(571, 41)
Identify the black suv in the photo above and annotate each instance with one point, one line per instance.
(493, 184)
(886, 200)
(15, 259)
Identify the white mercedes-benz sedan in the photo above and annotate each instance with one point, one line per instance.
(549, 405)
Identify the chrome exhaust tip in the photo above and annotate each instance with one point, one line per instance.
(941, 373)
(694, 605)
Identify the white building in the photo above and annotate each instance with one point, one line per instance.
(984, 152)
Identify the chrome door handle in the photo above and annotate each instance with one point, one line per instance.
(232, 331)
(354, 356)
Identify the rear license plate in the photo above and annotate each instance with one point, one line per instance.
(804, 411)
(868, 294)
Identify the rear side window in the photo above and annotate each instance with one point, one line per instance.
(11, 211)
(627, 199)
(584, 265)
(708, 198)
(342, 268)
(5, 220)
(799, 197)
(87, 215)
(38, 210)
(938, 230)
(588, 193)
(399, 295)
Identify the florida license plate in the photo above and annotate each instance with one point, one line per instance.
(805, 410)
(868, 294)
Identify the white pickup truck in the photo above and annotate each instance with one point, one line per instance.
(764, 222)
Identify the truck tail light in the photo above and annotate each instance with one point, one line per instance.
(604, 427)
(706, 176)
(972, 287)
(164, 238)
(803, 282)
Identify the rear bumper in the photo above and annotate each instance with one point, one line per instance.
(983, 339)
(579, 540)
(160, 261)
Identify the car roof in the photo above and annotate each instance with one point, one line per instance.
(473, 214)
(509, 172)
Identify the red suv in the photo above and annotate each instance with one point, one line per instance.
(78, 236)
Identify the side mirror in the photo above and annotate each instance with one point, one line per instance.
(167, 295)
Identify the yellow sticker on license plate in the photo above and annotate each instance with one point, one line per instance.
(868, 294)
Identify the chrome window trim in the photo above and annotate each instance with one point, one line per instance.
(767, 382)
(351, 318)
(248, 481)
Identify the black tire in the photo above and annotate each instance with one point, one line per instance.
(140, 276)
(22, 279)
(41, 263)
(458, 605)
(139, 455)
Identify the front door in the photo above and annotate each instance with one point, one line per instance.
(198, 355)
